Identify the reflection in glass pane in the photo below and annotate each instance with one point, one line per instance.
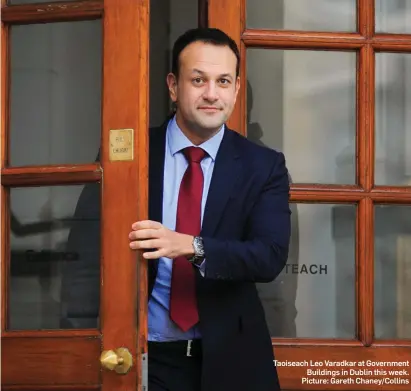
(314, 296)
(314, 15)
(303, 103)
(56, 71)
(171, 18)
(393, 16)
(55, 257)
(393, 119)
(392, 268)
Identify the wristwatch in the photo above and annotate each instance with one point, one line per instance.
(199, 255)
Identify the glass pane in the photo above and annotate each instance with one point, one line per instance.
(314, 15)
(393, 119)
(55, 93)
(55, 257)
(314, 296)
(307, 111)
(393, 16)
(392, 282)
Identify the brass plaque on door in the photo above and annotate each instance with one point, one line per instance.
(121, 144)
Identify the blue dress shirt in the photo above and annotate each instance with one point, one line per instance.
(160, 326)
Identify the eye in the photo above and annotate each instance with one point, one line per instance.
(224, 81)
(197, 80)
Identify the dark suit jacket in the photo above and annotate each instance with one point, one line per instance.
(246, 231)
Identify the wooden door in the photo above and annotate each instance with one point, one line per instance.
(329, 84)
(74, 178)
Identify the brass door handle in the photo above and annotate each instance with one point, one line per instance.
(119, 360)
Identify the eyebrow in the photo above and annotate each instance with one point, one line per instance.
(227, 75)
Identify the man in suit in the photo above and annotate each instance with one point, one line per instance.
(219, 222)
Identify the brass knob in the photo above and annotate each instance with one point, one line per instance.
(119, 360)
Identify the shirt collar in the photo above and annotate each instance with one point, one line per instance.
(177, 140)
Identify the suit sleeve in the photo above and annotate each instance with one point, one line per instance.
(262, 255)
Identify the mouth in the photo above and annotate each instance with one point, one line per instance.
(209, 109)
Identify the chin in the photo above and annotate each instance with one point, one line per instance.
(211, 123)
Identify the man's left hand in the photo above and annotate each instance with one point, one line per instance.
(166, 243)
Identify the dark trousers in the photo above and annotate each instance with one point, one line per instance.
(174, 366)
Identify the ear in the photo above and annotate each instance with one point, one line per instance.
(237, 87)
(172, 86)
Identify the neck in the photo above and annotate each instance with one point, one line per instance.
(196, 135)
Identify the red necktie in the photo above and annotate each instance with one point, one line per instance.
(183, 301)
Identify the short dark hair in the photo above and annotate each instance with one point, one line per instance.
(207, 35)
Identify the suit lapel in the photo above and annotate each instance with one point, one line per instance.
(156, 172)
(156, 175)
(226, 171)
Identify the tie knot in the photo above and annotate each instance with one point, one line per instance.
(194, 154)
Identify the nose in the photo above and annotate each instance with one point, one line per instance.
(210, 92)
